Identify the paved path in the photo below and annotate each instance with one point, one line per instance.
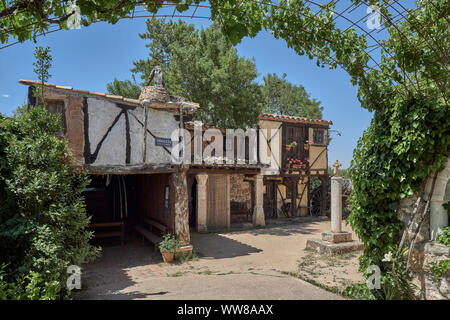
(214, 287)
(243, 264)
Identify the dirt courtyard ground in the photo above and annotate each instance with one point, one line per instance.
(262, 263)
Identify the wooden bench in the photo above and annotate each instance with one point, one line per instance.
(147, 230)
(247, 214)
(109, 234)
(239, 210)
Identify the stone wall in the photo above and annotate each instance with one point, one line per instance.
(426, 250)
(116, 131)
(240, 190)
(435, 289)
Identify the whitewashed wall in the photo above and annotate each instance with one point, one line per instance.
(114, 133)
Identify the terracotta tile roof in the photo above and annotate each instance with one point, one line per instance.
(173, 104)
(292, 119)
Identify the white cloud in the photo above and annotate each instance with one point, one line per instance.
(5, 95)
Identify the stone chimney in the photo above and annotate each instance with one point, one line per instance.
(158, 92)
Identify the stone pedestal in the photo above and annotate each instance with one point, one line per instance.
(202, 202)
(337, 237)
(258, 211)
(178, 184)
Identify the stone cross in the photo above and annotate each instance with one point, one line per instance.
(336, 166)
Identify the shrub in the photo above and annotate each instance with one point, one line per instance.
(42, 213)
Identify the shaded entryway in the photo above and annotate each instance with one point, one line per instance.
(118, 203)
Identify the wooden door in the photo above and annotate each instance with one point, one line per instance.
(217, 216)
(291, 133)
(270, 201)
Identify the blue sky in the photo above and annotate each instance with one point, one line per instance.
(91, 57)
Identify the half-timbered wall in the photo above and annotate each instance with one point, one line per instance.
(318, 151)
(274, 157)
(114, 133)
(106, 133)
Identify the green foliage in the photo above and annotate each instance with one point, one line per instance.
(409, 136)
(440, 269)
(32, 286)
(169, 243)
(42, 213)
(358, 291)
(282, 97)
(444, 237)
(125, 88)
(24, 19)
(41, 69)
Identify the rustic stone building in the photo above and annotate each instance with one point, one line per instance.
(296, 149)
(127, 148)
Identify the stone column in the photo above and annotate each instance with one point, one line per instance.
(336, 204)
(178, 185)
(438, 218)
(202, 202)
(258, 211)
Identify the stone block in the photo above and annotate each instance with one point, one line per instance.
(337, 237)
(330, 248)
(186, 249)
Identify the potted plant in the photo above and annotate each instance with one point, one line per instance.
(291, 145)
(307, 144)
(168, 246)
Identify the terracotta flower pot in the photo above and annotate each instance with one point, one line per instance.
(296, 166)
(167, 256)
(288, 148)
(306, 146)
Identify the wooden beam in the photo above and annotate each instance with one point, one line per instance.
(130, 169)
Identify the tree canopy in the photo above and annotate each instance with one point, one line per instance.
(282, 97)
(204, 67)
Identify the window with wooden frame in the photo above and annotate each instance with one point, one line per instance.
(319, 137)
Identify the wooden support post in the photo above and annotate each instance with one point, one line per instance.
(294, 192)
(178, 185)
(228, 201)
(145, 133)
(202, 201)
(258, 210)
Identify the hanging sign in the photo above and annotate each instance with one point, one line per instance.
(163, 142)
